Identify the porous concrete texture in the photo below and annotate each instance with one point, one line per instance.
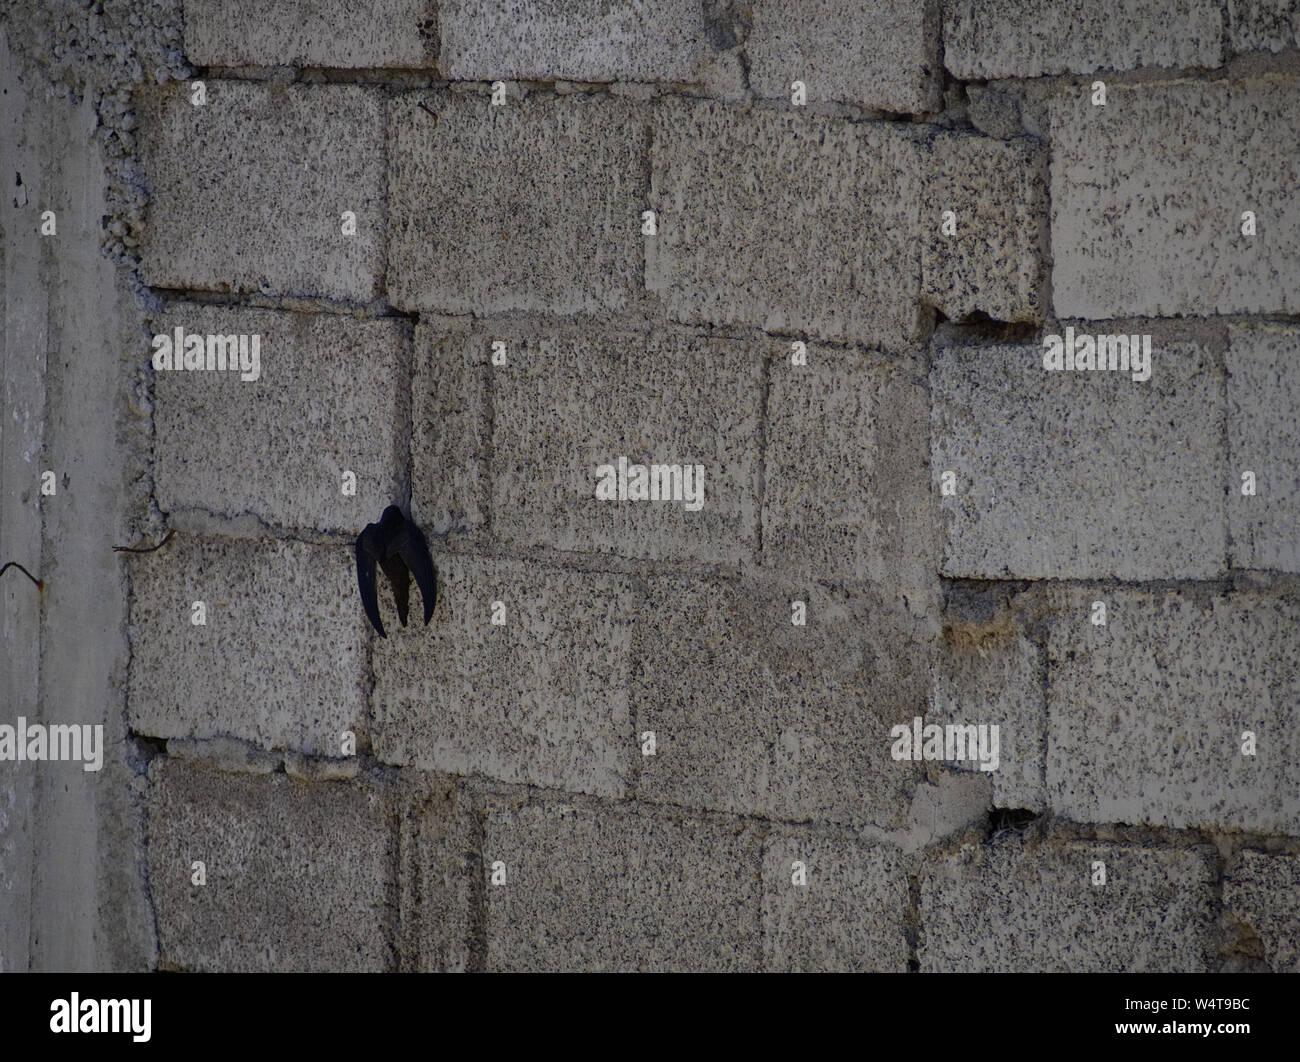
(247, 192)
(993, 262)
(883, 56)
(441, 880)
(580, 40)
(619, 890)
(1079, 474)
(832, 906)
(1043, 909)
(1149, 194)
(1263, 25)
(451, 428)
(279, 659)
(826, 209)
(547, 470)
(488, 249)
(1264, 439)
(558, 228)
(756, 714)
(539, 697)
(845, 496)
(235, 446)
(990, 673)
(1180, 711)
(1262, 892)
(295, 876)
(307, 33)
(985, 39)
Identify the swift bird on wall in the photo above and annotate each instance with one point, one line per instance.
(397, 546)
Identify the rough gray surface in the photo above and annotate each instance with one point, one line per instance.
(753, 714)
(441, 876)
(846, 491)
(540, 699)
(556, 230)
(998, 194)
(1148, 193)
(573, 400)
(848, 916)
(620, 890)
(392, 33)
(986, 39)
(1146, 715)
(451, 428)
(993, 112)
(247, 192)
(1264, 438)
(989, 673)
(578, 40)
(1079, 474)
(24, 144)
(97, 50)
(279, 662)
(298, 875)
(73, 894)
(777, 224)
(1263, 892)
(1263, 25)
(826, 211)
(1034, 909)
(883, 55)
(331, 397)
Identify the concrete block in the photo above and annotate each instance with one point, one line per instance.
(620, 890)
(451, 438)
(989, 672)
(884, 56)
(1263, 891)
(247, 192)
(846, 493)
(1007, 907)
(572, 401)
(1264, 438)
(997, 192)
(847, 916)
(1147, 715)
(1079, 474)
(1263, 25)
(557, 228)
(330, 33)
(826, 211)
(540, 699)
(299, 877)
(1149, 192)
(279, 662)
(580, 40)
(985, 39)
(441, 877)
(330, 398)
(753, 714)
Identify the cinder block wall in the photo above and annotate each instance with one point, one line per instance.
(489, 248)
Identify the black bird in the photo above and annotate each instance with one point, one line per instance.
(397, 546)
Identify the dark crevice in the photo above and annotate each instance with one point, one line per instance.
(978, 327)
(1006, 823)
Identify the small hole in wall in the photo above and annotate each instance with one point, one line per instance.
(1006, 823)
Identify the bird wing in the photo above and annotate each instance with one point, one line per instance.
(368, 551)
(410, 545)
(400, 577)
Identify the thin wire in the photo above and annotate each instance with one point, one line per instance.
(40, 584)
